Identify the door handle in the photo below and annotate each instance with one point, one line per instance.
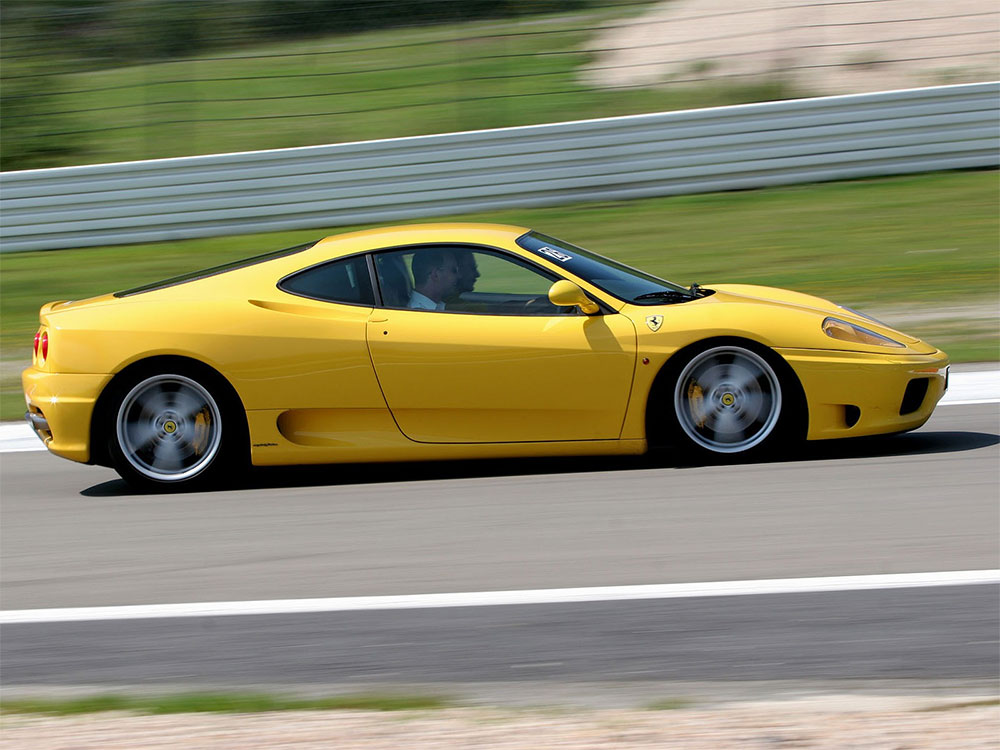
(378, 319)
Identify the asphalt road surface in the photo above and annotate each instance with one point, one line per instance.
(926, 633)
(73, 535)
(927, 501)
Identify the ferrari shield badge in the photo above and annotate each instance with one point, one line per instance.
(654, 322)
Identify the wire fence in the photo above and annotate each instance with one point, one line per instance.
(71, 95)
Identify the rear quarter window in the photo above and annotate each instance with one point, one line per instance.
(346, 281)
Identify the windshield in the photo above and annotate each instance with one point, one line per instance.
(624, 282)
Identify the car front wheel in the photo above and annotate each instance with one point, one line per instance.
(168, 432)
(727, 400)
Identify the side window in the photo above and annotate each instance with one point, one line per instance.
(449, 278)
(346, 281)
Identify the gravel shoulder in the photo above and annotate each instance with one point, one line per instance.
(824, 48)
(821, 723)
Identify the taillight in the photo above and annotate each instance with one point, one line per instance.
(44, 344)
(38, 336)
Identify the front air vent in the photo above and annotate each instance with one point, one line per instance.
(914, 395)
(851, 415)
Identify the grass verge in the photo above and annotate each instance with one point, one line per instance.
(920, 251)
(242, 703)
(669, 704)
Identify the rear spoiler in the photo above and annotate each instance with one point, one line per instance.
(49, 306)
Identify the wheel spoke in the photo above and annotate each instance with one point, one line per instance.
(751, 405)
(141, 434)
(743, 378)
(712, 376)
(167, 455)
(727, 423)
(153, 400)
(188, 405)
(725, 373)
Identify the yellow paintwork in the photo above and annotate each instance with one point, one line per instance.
(504, 379)
(324, 382)
(67, 402)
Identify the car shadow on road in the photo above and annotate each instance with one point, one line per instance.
(909, 444)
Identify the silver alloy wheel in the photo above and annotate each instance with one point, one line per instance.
(169, 428)
(727, 399)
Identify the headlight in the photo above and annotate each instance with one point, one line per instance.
(844, 331)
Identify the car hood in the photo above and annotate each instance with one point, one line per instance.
(787, 298)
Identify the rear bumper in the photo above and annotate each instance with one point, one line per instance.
(854, 394)
(60, 408)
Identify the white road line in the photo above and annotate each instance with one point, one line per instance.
(18, 438)
(964, 388)
(494, 598)
(972, 388)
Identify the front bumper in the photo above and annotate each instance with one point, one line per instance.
(854, 394)
(60, 407)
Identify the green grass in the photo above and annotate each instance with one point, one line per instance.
(887, 246)
(242, 703)
(669, 704)
(382, 84)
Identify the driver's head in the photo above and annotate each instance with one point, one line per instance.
(468, 273)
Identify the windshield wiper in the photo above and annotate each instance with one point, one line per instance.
(667, 294)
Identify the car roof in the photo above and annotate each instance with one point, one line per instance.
(417, 234)
(341, 245)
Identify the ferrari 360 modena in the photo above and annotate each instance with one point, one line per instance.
(447, 341)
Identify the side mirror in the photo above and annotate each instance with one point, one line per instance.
(565, 293)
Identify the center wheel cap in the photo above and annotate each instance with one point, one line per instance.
(170, 427)
(728, 399)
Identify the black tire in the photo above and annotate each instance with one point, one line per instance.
(170, 431)
(730, 401)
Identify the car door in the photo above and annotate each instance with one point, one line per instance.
(486, 358)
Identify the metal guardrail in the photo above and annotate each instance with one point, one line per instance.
(692, 151)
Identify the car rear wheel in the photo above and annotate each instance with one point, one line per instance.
(169, 431)
(727, 400)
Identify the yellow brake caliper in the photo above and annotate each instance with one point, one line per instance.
(200, 434)
(697, 399)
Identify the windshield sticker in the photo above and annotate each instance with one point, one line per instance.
(558, 255)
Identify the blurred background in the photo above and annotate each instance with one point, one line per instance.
(87, 82)
(110, 80)
(93, 82)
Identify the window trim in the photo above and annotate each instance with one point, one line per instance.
(373, 287)
(491, 250)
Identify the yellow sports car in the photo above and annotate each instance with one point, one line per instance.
(455, 341)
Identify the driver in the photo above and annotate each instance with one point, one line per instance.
(468, 273)
(435, 276)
